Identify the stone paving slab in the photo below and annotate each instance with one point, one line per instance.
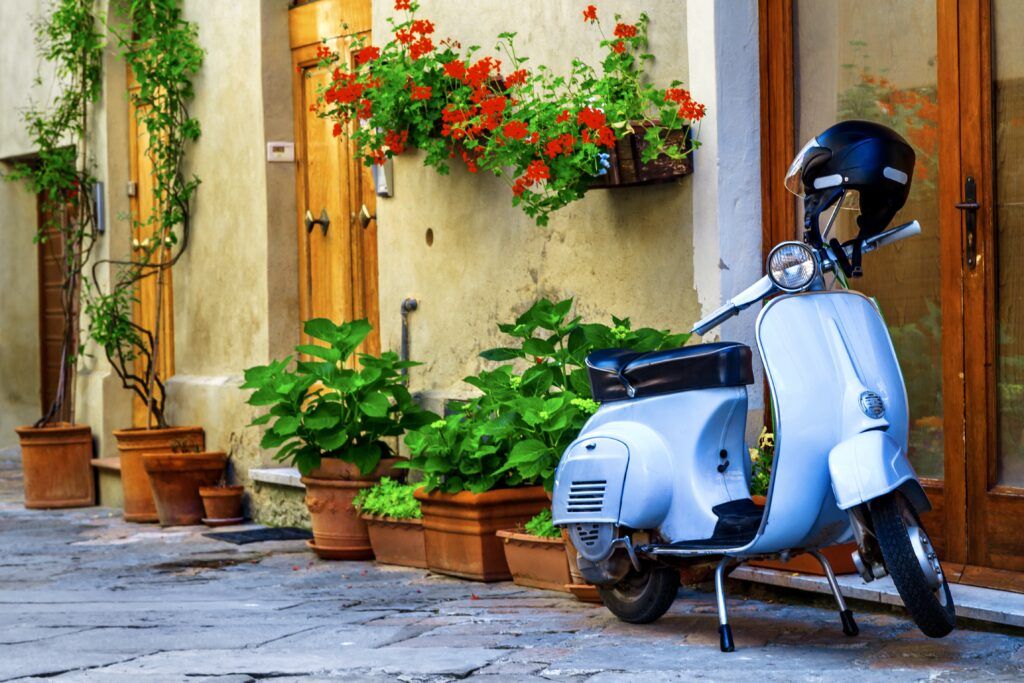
(85, 596)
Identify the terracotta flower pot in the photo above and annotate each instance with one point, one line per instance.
(584, 592)
(339, 532)
(132, 443)
(397, 541)
(460, 528)
(536, 561)
(55, 462)
(223, 504)
(176, 479)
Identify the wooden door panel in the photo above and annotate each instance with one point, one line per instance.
(51, 307)
(337, 269)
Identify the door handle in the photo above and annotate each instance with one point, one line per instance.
(970, 208)
(365, 217)
(324, 221)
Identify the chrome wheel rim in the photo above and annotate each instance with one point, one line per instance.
(927, 559)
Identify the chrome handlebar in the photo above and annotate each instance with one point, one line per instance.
(765, 287)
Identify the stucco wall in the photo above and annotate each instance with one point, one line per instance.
(19, 300)
(624, 251)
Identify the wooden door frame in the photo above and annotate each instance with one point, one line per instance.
(778, 145)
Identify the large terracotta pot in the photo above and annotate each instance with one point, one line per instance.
(460, 529)
(132, 443)
(339, 532)
(56, 464)
(535, 561)
(176, 479)
(397, 541)
(222, 504)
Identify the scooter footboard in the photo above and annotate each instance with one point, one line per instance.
(872, 464)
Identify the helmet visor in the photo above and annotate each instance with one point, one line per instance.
(794, 176)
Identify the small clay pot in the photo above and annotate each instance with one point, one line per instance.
(460, 529)
(397, 541)
(56, 461)
(222, 504)
(535, 561)
(139, 505)
(176, 479)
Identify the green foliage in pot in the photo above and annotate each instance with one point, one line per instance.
(324, 408)
(531, 407)
(389, 498)
(541, 525)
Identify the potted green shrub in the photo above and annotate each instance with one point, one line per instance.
(536, 554)
(394, 521)
(334, 419)
(551, 134)
(57, 453)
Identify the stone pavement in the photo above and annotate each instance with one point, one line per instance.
(86, 597)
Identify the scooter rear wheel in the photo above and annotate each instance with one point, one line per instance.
(641, 597)
(912, 564)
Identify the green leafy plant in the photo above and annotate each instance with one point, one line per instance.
(541, 525)
(531, 407)
(162, 49)
(761, 457)
(61, 174)
(389, 498)
(326, 408)
(546, 134)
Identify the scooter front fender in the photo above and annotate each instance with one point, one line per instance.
(872, 464)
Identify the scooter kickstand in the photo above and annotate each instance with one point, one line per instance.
(845, 615)
(726, 643)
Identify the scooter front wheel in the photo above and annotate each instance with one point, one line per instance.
(641, 597)
(913, 566)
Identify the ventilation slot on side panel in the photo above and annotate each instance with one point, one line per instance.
(587, 534)
(586, 496)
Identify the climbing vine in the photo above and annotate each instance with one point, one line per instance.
(162, 50)
(69, 39)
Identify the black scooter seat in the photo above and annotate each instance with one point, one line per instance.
(617, 374)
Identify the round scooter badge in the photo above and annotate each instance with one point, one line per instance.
(871, 404)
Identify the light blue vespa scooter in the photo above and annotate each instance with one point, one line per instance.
(658, 477)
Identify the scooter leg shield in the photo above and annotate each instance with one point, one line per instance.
(870, 465)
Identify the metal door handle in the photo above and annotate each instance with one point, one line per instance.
(365, 217)
(324, 221)
(970, 208)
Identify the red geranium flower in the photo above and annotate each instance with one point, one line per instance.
(563, 144)
(421, 47)
(590, 14)
(422, 26)
(396, 141)
(367, 54)
(404, 37)
(455, 69)
(337, 130)
(619, 47)
(537, 171)
(625, 31)
(323, 52)
(563, 117)
(402, 4)
(419, 92)
(591, 118)
(515, 130)
(515, 78)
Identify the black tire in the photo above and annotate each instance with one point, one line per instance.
(931, 608)
(642, 597)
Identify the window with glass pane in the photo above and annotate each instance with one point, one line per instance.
(876, 60)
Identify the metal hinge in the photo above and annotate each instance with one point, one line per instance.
(133, 188)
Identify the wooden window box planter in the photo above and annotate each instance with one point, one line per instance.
(628, 170)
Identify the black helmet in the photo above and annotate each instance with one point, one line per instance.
(862, 156)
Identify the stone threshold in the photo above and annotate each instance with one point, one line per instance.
(972, 602)
(279, 476)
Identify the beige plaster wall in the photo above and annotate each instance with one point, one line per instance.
(19, 299)
(627, 251)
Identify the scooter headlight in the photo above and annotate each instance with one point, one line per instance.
(792, 266)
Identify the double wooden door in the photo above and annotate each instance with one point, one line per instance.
(337, 250)
(949, 76)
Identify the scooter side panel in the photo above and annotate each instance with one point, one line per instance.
(821, 351)
(870, 465)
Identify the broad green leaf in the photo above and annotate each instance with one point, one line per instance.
(375, 404)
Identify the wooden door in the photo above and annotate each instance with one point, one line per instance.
(51, 305)
(991, 115)
(147, 308)
(337, 262)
